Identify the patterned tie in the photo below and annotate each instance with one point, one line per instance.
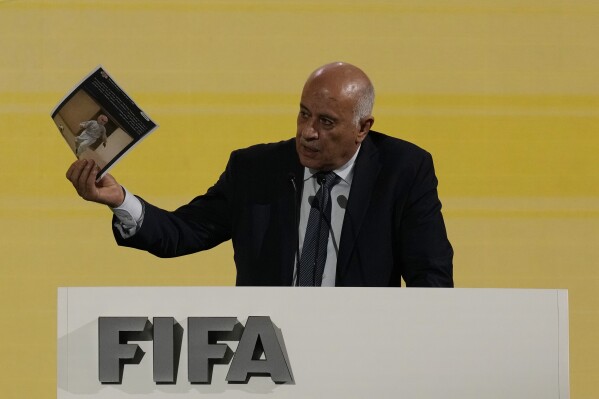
(314, 251)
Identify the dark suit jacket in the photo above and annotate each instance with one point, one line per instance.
(392, 228)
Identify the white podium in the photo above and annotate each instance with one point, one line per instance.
(338, 342)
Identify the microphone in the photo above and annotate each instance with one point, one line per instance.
(323, 215)
(291, 178)
(320, 179)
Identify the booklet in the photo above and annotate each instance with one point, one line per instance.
(99, 120)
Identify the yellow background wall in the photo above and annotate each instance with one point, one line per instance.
(504, 93)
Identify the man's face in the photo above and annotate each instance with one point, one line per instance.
(327, 136)
(102, 119)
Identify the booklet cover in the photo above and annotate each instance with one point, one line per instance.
(99, 120)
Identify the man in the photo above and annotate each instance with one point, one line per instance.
(339, 205)
(93, 130)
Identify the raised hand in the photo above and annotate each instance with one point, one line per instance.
(82, 174)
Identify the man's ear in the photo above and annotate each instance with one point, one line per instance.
(365, 126)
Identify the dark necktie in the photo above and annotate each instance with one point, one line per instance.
(314, 251)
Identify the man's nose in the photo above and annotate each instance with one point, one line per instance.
(308, 132)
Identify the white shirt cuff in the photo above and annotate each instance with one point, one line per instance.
(129, 214)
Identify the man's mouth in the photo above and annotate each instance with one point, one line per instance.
(309, 149)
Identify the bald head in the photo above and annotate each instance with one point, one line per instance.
(348, 81)
(102, 119)
(335, 116)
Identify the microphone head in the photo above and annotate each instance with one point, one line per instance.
(342, 201)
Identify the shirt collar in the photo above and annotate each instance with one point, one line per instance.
(345, 172)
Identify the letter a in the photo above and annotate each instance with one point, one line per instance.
(260, 336)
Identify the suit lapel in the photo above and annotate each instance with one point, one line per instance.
(366, 170)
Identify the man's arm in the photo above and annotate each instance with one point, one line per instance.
(202, 224)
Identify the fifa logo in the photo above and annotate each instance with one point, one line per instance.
(260, 351)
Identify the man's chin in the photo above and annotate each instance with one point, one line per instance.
(310, 163)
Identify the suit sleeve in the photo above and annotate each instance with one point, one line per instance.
(425, 252)
(202, 224)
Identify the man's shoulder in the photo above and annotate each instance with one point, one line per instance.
(267, 149)
(394, 149)
(270, 155)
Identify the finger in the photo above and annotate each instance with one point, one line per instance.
(90, 184)
(70, 170)
(75, 168)
(82, 188)
(76, 171)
